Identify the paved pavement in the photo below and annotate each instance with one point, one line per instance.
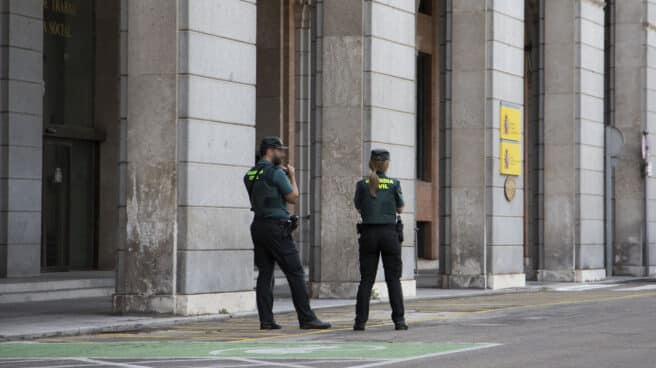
(92, 315)
(612, 325)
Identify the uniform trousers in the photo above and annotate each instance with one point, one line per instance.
(274, 243)
(380, 241)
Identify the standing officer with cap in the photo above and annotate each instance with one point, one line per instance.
(270, 187)
(379, 199)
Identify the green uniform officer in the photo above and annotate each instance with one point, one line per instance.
(270, 187)
(379, 199)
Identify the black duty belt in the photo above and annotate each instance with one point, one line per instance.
(378, 226)
(271, 220)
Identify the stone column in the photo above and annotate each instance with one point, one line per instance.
(189, 138)
(365, 71)
(339, 146)
(389, 111)
(21, 123)
(146, 272)
(216, 144)
(650, 116)
(573, 141)
(632, 113)
(484, 233)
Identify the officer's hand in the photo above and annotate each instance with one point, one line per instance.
(291, 171)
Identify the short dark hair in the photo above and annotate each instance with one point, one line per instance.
(263, 150)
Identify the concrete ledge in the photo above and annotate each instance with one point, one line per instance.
(556, 275)
(334, 290)
(409, 288)
(651, 271)
(505, 281)
(215, 303)
(590, 275)
(465, 281)
(56, 294)
(620, 270)
(132, 303)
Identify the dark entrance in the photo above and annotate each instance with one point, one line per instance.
(70, 144)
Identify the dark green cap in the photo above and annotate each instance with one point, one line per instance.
(380, 154)
(272, 142)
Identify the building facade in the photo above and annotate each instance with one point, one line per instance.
(521, 132)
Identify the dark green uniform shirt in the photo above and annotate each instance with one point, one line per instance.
(270, 187)
(382, 209)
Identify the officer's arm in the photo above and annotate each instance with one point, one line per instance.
(398, 196)
(286, 183)
(356, 197)
(292, 197)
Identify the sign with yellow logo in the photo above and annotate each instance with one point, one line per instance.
(510, 158)
(510, 122)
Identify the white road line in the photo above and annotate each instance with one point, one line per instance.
(234, 366)
(638, 288)
(14, 361)
(397, 361)
(264, 362)
(165, 360)
(115, 364)
(585, 287)
(61, 366)
(213, 360)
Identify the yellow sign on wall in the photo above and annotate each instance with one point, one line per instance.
(510, 123)
(510, 158)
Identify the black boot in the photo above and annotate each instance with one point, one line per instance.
(270, 326)
(315, 325)
(358, 326)
(400, 326)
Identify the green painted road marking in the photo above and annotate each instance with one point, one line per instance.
(277, 350)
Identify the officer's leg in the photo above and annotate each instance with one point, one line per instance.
(289, 261)
(393, 265)
(264, 264)
(368, 266)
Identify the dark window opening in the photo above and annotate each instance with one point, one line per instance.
(426, 7)
(424, 133)
(423, 239)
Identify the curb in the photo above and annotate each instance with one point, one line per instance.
(164, 322)
(156, 323)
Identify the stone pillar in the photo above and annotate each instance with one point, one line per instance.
(339, 146)
(216, 144)
(631, 116)
(21, 122)
(649, 110)
(365, 71)
(304, 128)
(389, 111)
(573, 141)
(189, 139)
(484, 231)
(146, 273)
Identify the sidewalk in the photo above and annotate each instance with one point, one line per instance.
(31, 320)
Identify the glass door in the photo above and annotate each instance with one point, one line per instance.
(70, 168)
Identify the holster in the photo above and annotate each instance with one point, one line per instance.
(293, 223)
(358, 227)
(399, 229)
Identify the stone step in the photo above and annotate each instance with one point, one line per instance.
(55, 287)
(428, 278)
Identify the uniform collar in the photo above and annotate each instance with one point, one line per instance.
(264, 162)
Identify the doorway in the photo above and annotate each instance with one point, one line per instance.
(70, 140)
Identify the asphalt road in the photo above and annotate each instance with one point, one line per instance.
(612, 326)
